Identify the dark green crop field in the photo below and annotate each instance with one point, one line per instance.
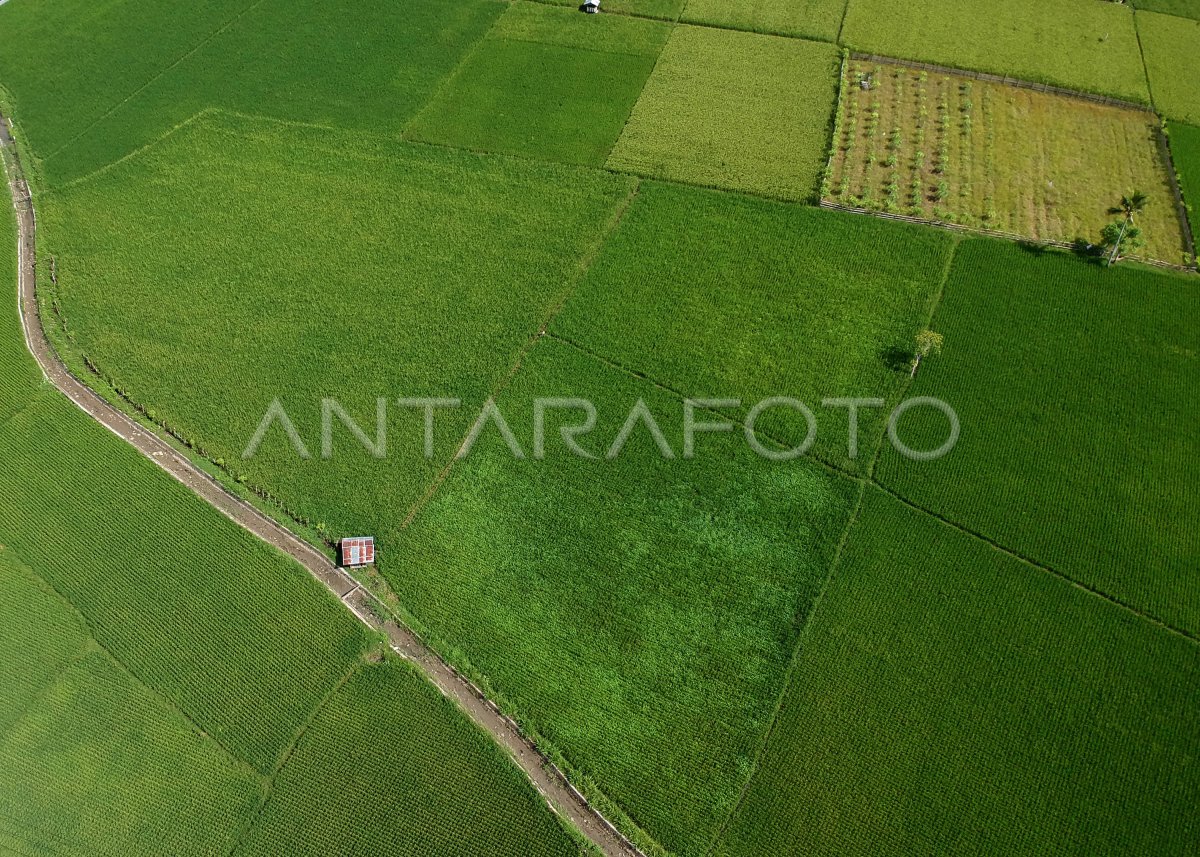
(1185, 147)
(158, 667)
(1072, 384)
(547, 83)
(947, 697)
(635, 239)
(741, 300)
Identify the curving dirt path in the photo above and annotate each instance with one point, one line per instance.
(546, 777)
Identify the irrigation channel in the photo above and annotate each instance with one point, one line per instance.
(547, 778)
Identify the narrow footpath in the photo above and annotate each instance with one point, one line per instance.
(546, 777)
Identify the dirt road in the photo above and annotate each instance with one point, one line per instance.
(562, 797)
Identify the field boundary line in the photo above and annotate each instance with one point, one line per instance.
(95, 644)
(1032, 563)
(1005, 79)
(584, 265)
(992, 233)
(789, 673)
(1185, 223)
(157, 76)
(667, 388)
(268, 780)
(562, 798)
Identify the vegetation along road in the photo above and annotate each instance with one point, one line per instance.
(545, 776)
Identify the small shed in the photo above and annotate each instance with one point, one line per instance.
(591, 6)
(358, 551)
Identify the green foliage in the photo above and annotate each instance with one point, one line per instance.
(1185, 151)
(1169, 44)
(100, 766)
(765, 309)
(451, 288)
(734, 110)
(368, 65)
(547, 83)
(638, 613)
(813, 19)
(1182, 8)
(225, 652)
(1067, 377)
(1080, 44)
(1121, 238)
(346, 791)
(949, 698)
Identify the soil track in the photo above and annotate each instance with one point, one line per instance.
(546, 777)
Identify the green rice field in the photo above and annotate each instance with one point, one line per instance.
(736, 631)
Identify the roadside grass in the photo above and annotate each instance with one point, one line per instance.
(1182, 8)
(734, 110)
(636, 613)
(950, 699)
(547, 83)
(367, 66)
(1081, 44)
(428, 284)
(988, 155)
(667, 10)
(1185, 152)
(185, 639)
(1169, 44)
(361, 777)
(1074, 386)
(743, 299)
(813, 19)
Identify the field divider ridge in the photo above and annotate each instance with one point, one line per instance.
(547, 778)
(1033, 563)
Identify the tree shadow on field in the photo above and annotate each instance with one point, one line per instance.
(1033, 248)
(896, 359)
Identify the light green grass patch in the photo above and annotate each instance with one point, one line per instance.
(814, 19)
(100, 766)
(744, 299)
(1075, 389)
(385, 743)
(1170, 46)
(368, 65)
(1080, 44)
(348, 268)
(950, 699)
(39, 637)
(638, 613)
(548, 83)
(734, 110)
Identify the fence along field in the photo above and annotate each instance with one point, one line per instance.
(949, 148)
(1079, 44)
(949, 698)
(1075, 387)
(149, 714)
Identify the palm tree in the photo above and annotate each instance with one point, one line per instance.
(1130, 205)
